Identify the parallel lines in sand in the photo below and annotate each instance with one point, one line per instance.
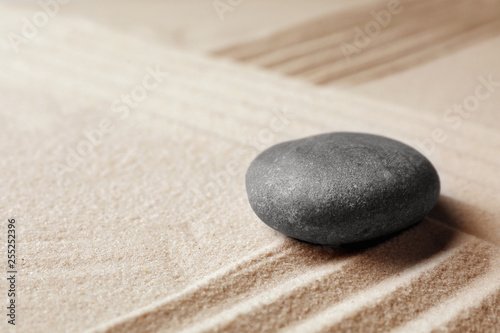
(226, 290)
(198, 289)
(182, 122)
(114, 54)
(452, 44)
(472, 212)
(318, 110)
(302, 33)
(334, 115)
(422, 31)
(264, 270)
(304, 281)
(429, 289)
(222, 97)
(311, 30)
(268, 283)
(277, 309)
(484, 318)
(332, 57)
(407, 52)
(228, 139)
(475, 308)
(370, 296)
(282, 59)
(320, 106)
(98, 79)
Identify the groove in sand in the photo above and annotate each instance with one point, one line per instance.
(372, 295)
(311, 50)
(431, 288)
(255, 280)
(296, 302)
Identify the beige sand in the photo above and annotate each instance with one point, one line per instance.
(152, 232)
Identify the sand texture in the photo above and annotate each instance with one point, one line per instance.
(148, 229)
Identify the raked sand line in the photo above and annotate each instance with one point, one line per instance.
(320, 43)
(372, 295)
(486, 167)
(475, 308)
(264, 299)
(302, 33)
(263, 254)
(311, 50)
(248, 281)
(391, 36)
(408, 37)
(232, 292)
(453, 43)
(489, 213)
(265, 269)
(429, 289)
(408, 53)
(276, 309)
(482, 318)
(193, 62)
(49, 65)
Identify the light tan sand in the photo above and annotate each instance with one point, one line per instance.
(416, 32)
(150, 232)
(426, 60)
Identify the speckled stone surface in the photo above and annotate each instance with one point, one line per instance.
(341, 188)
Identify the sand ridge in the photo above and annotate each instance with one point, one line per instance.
(137, 250)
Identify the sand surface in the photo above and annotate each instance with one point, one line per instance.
(133, 215)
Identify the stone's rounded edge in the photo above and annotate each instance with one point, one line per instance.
(263, 199)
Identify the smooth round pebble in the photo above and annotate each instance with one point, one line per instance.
(341, 188)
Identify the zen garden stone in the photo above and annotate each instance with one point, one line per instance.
(340, 188)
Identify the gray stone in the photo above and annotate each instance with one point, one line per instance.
(341, 188)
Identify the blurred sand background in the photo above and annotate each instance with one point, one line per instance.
(150, 231)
